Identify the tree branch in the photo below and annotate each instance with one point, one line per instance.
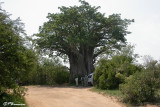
(99, 52)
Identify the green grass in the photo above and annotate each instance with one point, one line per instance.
(6, 98)
(115, 92)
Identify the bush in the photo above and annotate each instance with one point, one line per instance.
(8, 99)
(61, 76)
(16, 60)
(13, 96)
(104, 76)
(141, 87)
(110, 73)
(50, 75)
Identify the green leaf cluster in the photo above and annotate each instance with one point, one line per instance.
(49, 73)
(142, 86)
(16, 61)
(111, 72)
(77, 29)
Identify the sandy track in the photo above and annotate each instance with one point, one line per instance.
(39, 96)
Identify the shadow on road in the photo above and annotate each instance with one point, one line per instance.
(61, 86)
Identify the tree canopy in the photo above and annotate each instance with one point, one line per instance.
(16, 61)
(82, 32)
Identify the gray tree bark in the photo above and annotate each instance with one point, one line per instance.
(80, 65)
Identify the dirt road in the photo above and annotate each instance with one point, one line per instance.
(38, 96)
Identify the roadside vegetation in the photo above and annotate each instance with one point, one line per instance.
(8, 99)
(112, 93)
(21, 63)
(16, 60)
(137, 83)
(102, 40)
(49, 72)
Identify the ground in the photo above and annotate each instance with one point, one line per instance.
(44, 96)
(41, 96)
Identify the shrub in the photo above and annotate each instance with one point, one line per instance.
(110, 73)
(61, 76)
(6, 100)
(50, 75)
(13, 96)
(141, 87)
(104, 76)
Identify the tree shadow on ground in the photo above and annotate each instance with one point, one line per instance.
(63, 86)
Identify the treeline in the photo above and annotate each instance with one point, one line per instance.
(138, 83)
(48, 72)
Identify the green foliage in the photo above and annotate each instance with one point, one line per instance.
(61, 76)
(114, 92)
(20, 91)
(9, 46)
(78, 26)
(81, 33)
(111, 72)
(6, 98)
(27, 65)
(142, 86)
(16, 61)
(104, 76)
(49, 73)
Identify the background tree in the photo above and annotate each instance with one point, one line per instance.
(149, 62)
(82, 33)
(49, 72)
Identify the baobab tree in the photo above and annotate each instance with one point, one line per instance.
(82, 33)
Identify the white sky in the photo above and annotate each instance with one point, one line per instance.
(146, 13)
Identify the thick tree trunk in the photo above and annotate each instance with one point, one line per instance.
(80, 65)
